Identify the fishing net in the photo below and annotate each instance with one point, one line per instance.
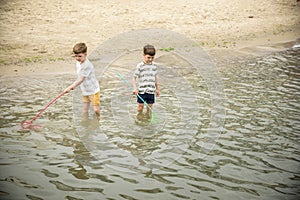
(27, 125)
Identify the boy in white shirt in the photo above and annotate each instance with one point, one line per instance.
(87, 80)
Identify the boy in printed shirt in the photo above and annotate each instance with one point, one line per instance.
(145, 82)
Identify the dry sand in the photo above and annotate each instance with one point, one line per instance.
(37, 35)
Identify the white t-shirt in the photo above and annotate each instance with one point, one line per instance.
(146, 74)
(90, 85)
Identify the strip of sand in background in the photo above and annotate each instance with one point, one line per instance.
(37, 37)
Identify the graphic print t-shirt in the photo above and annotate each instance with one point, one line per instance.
(146, 74)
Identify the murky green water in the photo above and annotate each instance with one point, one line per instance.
(256, 156)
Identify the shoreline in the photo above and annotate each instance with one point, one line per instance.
(221, 55)
(37, 37)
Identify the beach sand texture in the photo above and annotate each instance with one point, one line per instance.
(43, 31)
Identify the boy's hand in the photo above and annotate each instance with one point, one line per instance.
(68, 89)
(135, 92)
(157, 93)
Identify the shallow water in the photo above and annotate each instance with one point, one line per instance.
(256, 156)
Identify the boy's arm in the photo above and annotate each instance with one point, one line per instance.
(75, 84)
(157, 88)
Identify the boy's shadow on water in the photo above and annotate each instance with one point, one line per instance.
(120, 149)
(90, 123)
(143, 119)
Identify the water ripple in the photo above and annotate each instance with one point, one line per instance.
(256, 156)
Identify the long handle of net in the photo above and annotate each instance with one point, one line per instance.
(45, 108)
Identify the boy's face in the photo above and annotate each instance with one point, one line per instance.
(80, 57)
(148, 59)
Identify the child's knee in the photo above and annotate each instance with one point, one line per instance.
(140, 107)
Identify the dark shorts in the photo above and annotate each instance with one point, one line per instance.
(148, 98)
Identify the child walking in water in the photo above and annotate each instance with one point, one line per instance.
(145, 81)
(87, 80)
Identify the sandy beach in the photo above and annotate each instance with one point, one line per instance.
(38, 36)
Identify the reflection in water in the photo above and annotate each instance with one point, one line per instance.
(257, 156)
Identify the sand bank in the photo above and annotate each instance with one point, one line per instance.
(37, 36)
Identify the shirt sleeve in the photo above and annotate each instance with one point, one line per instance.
(85, 70)
(137, 71)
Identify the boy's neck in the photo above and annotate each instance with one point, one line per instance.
(82, 61)
(150, 63)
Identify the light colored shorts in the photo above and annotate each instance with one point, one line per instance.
(94, 99)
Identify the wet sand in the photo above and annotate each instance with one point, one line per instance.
(38, 36)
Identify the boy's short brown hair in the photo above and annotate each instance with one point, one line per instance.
(149, 50)
(80, 48)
